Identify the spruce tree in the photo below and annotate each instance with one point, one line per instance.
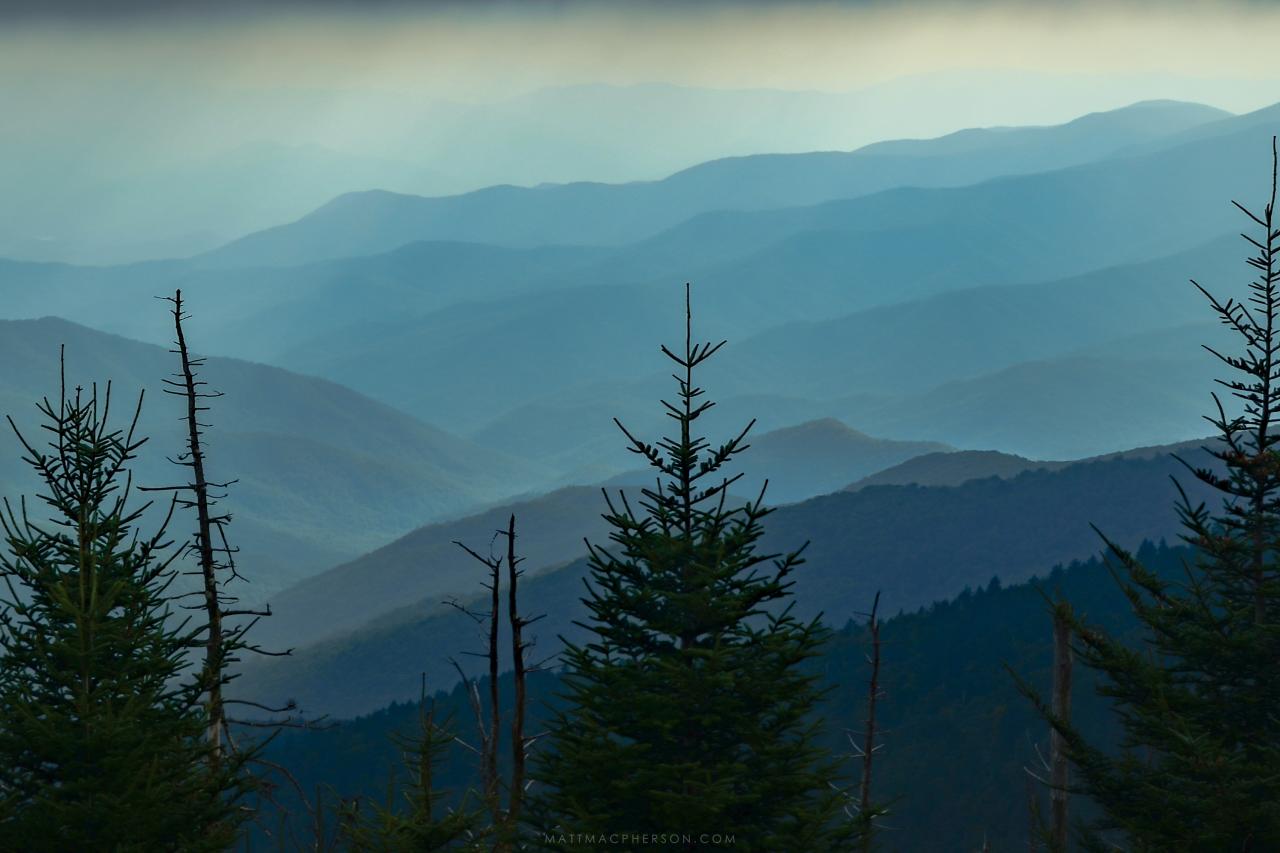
(690, 712)
(1199, 704)
(101, 727)
(418, 821)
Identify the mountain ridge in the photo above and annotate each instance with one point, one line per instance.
(449, 213)
(860, 541)
(318, 463)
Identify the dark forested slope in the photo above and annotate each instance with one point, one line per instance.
(916, 544)
(957, 735)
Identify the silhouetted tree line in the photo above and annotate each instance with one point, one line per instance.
(687, 719)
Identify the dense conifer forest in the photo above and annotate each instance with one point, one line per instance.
(402, 456)
(694, 707)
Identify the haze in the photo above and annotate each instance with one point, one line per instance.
(134, 130)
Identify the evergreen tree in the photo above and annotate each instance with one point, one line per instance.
(1200, 764)
(101, 725)
(691, 710)
(419, 824)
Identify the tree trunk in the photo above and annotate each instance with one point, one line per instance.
(213, 665)
(1059, 768)
(518, 664)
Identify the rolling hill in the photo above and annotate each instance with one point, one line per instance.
(806, 460)
(952, 469)
(917, 544)
(912, 371)
(801, 462)
(949, 710)
(522, 328)
(1049, 227)
(323, 472)
(615, 214)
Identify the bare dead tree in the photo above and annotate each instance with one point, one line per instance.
(507, 823)
(227, 624)
(1059, 766)
(489, 739)
(214, 556)
(869, 746)
(206, 521)
(518, 649)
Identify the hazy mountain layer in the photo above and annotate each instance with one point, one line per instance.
(801, 462)
(1068, 368)
(917, 544)
(845, 256)
(806, 460)
(323, 473)
(615, 214)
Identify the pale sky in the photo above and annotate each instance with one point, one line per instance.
(443, 97)
(498, 49)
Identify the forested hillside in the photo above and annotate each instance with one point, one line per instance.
(377, 614)
(950, 711)
(491, 428)
(323, 472)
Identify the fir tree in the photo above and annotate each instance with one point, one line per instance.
(1200, 763)
(101, 726)
(420, 823)
(691, 709)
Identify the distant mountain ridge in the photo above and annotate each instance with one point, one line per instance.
(604, 214)
(322, 471)
(912, 372)
(841, 257)
(832, 307)
(804, 461)
(916, 544)
(953, 469)
(812, 458)
(958, 467)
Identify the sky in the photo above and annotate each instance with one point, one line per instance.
(498, 49)
(105, 104)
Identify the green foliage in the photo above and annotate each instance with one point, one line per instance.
(101, 725)
(422, 818)
(1200, 763)
(690, 709)
(949, 710)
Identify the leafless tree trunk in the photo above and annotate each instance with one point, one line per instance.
(188, 386)
(227, 624)
(495, 713)
(518, 649)
(1059, 767)
(489, 734)
(869, 733)
(507, 823)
